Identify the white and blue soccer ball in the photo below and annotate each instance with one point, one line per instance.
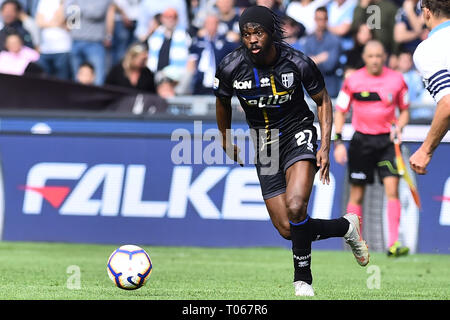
(129, 267)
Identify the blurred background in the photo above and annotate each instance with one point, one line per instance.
(93, 91)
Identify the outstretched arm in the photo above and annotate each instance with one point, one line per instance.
(439, 127)
(325, 115)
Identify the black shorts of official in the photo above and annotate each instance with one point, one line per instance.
(271, 170)
(369, 153)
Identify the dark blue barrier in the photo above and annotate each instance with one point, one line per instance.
(123, 187)
(434, 189)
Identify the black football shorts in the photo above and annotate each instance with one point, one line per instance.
(367, 153)
(275, 157)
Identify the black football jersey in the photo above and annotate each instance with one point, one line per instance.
(271, 96)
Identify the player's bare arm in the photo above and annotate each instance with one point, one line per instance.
(340, 152)
(223, 118)
(325, 115)
(439, 127)
(435, 69)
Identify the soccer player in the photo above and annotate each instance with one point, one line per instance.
(373, 92)
(432, 60)
(268, 76)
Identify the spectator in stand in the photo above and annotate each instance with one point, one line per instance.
(86, 74)
(11, 13)
(228, 20)
(409, 28)
(29, 7)
(132, 71)
(126, 13)
(17, 56)
(91, 34)
(411, 76)
(205, 54)
(29, 23)
(273, 5)
(382, 25)
(242, 4)
(167, 82)
(27, 15)
(169, 44)
(198, 9)
(56, 42)
(353, 57)
(149, 9)
(323, 48)
(303, 11)
(293, 31)
(340, 16)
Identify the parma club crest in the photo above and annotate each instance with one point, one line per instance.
(287, 79)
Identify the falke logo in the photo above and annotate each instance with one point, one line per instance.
(77, 189)
(117, 189)
(54, 195)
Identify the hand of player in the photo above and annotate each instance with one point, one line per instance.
(323, 161)
(340, 154)
(419, 161)
(232, 152)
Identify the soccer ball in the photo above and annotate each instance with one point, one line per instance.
(129, 267)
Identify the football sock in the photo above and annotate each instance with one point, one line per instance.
(393, 213)
(306, 231)
(324, 229)
(356, 209)
(301, 249)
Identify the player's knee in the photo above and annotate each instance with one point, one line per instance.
(284, 230)
(297, 208)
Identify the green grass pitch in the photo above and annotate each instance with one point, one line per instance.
(42, 271)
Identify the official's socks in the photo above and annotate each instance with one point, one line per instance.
(393, 214)
(356, 209)
(301, 249)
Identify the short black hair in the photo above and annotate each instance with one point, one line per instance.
(88, 65)
(439, 8)
(13, 2)
(322, 9)
(13, 32)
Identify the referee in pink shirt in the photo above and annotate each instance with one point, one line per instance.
(374, 92)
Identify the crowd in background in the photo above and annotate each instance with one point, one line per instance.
(172, 47)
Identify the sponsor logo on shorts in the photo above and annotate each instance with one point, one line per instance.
(358, 175)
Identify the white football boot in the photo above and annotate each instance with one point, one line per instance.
(355, 241)
(303, 289)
